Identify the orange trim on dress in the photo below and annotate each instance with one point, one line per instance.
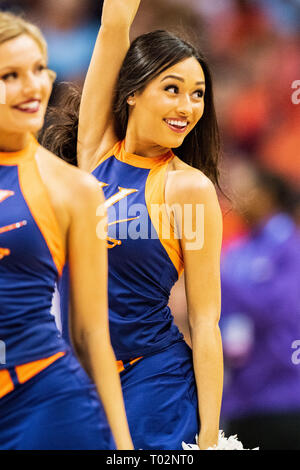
(37, 199)
(25, 372)
(154, 196)
(119, 152)
(14, 158)
(120, 364)
(6, 384)
(110, 153)
(141, 162)
(29, 370)
(156, 206)
(36, 196)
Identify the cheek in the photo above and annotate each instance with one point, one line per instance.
(47, 87)
(148, 112)
(199, 112)
(7, 119)
(4, 109)
(156, 104)
(13, 91)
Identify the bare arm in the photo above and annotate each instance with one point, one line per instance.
(89, 307)
(95, 130)
(201, 246)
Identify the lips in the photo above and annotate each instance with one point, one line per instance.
(30, 106)
(177, 125)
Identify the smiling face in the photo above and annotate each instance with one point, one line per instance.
(23, 70)
(170, 106)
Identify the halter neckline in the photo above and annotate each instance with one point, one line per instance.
(139, 161)
(14, 158)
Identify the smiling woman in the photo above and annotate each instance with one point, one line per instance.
(140, 104)
(24, 72)
(181, 88)
(174, 97)
(47, 401)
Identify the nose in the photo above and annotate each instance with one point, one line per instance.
(30, 83)
(185, 105)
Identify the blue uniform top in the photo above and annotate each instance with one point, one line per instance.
(144, 255)
(31, 258)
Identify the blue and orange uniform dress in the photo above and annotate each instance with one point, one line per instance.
(46, 399)
(145, 261)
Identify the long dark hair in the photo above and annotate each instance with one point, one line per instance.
(149, 55)
(60, 131)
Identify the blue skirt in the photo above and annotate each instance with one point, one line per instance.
(58, 409)
(161, 399)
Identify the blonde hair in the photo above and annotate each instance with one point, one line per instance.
(13, 26)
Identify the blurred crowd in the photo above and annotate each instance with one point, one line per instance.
(253, 47)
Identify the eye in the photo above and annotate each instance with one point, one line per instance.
(10, 75)
(198, 94)
(41, 67)
(172, 89)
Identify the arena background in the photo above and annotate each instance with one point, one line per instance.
(253, 48)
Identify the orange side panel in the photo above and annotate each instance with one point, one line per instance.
(120, 364)
(135, 360)
(6, 384)
(37, 199)
(155, 200)
(29, 370)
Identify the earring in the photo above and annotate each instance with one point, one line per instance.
(131, 100)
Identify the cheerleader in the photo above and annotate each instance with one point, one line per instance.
(148, 132)
(47, 400)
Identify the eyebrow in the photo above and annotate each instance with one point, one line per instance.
(180, 79)
(17, 67)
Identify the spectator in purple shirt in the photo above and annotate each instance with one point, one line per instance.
(261, 316)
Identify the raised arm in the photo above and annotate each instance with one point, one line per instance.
(89, 326)
(95, 131)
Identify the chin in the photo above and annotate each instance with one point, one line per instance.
(30, 123)
(177, 144)
(36, 129)
(171, 142)
(34, 126)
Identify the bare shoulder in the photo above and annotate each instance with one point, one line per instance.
(71, 185)
(186, 184)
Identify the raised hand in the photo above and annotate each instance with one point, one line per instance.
(96, 133)
(119, 12)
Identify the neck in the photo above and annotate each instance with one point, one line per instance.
(142, 147)
(13, 142)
